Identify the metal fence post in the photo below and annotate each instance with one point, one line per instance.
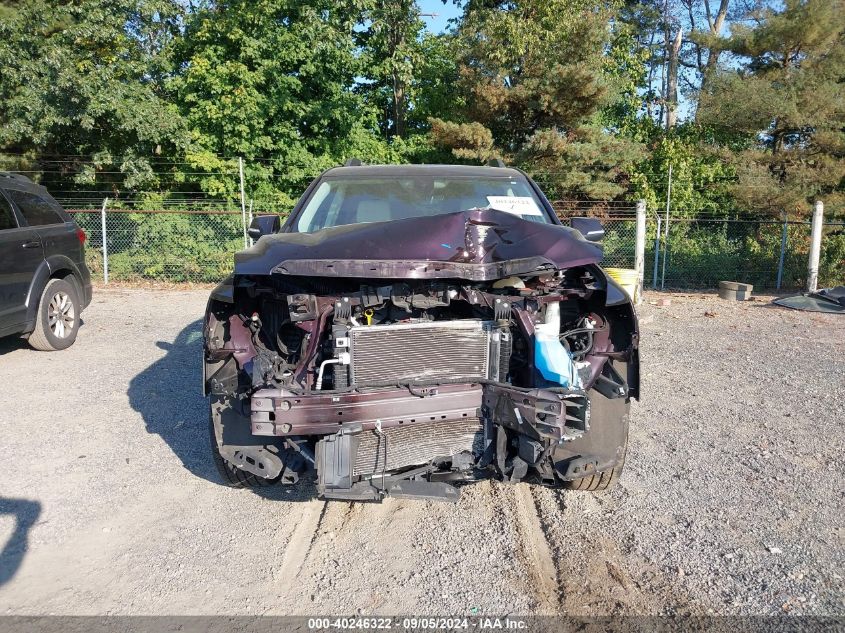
(782, 253)
(666, 229)
(815, 247)
(243, 200)
(639, 251)
(105, 241)
(656, 255)
(249, 218)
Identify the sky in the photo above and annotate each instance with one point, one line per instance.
(444, 12)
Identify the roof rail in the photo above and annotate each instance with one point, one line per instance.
(21, 177)
(496, 162)
(353, 162)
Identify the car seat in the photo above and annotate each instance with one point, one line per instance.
(369, 210)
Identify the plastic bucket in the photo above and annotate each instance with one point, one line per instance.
(625, 277)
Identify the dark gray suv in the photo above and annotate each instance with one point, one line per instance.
(44, 282)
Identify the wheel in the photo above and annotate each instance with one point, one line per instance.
(57, 320)
(601, 480)
(232, 475)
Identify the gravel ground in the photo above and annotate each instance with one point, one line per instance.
(731, 502)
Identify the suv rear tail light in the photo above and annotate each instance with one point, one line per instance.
(80, 234)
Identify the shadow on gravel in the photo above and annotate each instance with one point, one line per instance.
(770, 306)
(11, 343)
(168, 394)
(26, 512)
(14, 342)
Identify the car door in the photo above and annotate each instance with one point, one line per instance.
(21, 252)
(41, 212)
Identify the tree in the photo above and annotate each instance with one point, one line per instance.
(435, 77)
(270, 76)
(409, 76)
(531, 76)
(85, 78)
(274, 81)
(683, 39)
(706, 42)
(631, 62)
(673, 52)
(392, 52)
(788, 99)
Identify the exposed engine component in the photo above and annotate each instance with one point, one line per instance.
(424, 352)
(552, 360)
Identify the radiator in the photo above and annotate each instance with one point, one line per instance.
(420, 352)
(417, 444)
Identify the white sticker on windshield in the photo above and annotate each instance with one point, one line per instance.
(518, 205)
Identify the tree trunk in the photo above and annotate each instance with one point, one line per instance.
(398, 105)
(712, 53)
(672, 82)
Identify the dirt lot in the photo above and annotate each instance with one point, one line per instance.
(731, 503)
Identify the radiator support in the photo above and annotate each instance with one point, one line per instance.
(421, 352)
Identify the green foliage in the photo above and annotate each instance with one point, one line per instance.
(703, 253)
(434, 83)
(532, 65)
(392, 51)
(832, 260)
(532, 86)
(701, 178)
(788, 97)
(84, 78)
(154, 246)
(628, 64)
(140, 96)
(272, 79)
(586, 160)
(466, 141)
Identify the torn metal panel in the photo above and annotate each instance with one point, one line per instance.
(829, 300)
(477, 245)
(541, 414)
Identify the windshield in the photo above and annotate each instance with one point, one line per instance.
(351, 201)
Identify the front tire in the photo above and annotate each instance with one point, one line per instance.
(232, 476)
(602, 480)
(58, 317)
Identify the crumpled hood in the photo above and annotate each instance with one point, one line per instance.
(479, 245)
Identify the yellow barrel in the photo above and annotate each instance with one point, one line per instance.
(625, 277)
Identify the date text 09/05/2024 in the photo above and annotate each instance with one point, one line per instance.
(418, 623)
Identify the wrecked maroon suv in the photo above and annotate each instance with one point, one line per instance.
(412, 327)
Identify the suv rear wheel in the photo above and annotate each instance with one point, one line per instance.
(57, 320)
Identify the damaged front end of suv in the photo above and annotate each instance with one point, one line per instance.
(400, 356)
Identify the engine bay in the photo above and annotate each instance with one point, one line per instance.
(392, 386)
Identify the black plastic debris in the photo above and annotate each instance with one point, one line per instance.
(830, 300)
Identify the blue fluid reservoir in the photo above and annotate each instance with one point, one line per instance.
(551, 358)
(553, 361)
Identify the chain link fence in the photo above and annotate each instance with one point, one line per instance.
(696, 252)
(699, 252)
(161, 245)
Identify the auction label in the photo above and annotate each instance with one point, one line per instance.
(518, 205)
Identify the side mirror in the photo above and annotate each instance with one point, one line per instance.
(264, 225)
(590, 228)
